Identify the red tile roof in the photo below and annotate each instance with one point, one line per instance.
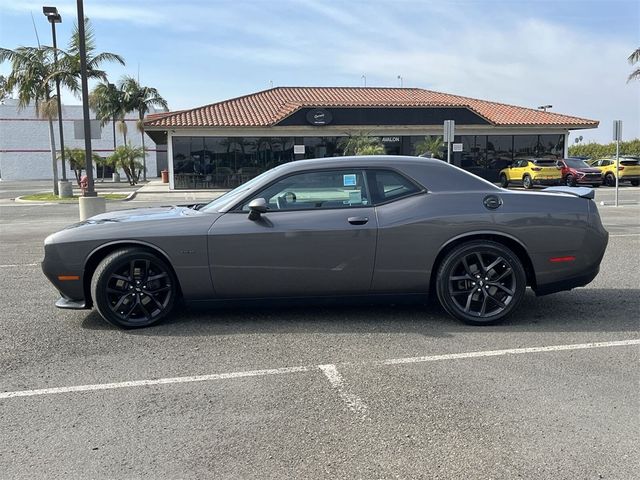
(268, 107)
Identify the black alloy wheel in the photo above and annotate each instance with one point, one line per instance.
(527, 182)
(571, 180)
(133, 287)
(610, 179)
(481, 282)
(504, 181)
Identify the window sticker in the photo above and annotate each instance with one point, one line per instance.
(355, 197)
(349, 180)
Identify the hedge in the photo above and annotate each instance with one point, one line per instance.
(598, 150)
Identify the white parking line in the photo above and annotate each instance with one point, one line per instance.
(509, 351)
(12, 265)
(354, 403)
(329, 370)
(159, 381)
(625, 235)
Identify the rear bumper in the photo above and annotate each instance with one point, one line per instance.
(568, 283)
(547, 181)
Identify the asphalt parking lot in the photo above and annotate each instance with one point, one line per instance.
(319, 392)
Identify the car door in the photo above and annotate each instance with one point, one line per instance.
(518, 170)
(317, 238)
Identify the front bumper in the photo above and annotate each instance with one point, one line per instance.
(589, 180)
(68, 304)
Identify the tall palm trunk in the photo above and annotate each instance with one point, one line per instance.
(144, 151)
(54, 161)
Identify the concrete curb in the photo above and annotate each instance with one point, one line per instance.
(20, 199)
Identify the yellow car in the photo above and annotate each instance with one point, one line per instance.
(629, 170)
(531, 171)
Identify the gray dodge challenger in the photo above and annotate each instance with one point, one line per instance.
(334, 228)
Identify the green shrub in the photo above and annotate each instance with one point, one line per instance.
(598, 150)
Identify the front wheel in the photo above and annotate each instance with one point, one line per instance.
(133, 287)
(480, 282)
(571, 180)
(527, 182)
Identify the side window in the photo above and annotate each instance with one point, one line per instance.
(314, 190)
(389, 185)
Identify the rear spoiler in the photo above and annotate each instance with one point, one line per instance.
(582, 192)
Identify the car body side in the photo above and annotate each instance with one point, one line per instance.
(411, 235)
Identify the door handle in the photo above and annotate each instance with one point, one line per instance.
(358, 220)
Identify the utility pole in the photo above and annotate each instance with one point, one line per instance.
(90, 203)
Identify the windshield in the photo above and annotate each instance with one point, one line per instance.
(232, 196)
(576, 163)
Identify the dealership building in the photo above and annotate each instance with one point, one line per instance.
(226, 143)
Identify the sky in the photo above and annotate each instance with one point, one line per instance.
(571, 54)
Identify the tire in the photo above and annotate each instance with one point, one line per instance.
(571, 180)
(504, 182)
(610, 180)
(595, 185)
(527, 182)
(635, 183)
(464, 291)
(133, 288)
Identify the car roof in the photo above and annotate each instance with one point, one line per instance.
(360, 161)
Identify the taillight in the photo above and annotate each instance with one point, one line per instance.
(620, 167)
(536, 169)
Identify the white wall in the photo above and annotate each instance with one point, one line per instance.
(24, 142)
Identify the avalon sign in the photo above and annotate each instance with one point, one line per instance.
(319, 116)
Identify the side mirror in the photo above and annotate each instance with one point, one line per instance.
(257, 207)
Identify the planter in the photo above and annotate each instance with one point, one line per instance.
(115, 177)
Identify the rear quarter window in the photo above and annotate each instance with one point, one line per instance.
(388, 185)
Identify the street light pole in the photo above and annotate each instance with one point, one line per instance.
(54, 17)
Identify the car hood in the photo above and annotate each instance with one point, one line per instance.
(141, 214)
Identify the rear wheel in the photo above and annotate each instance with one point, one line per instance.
(480, 282)
(635, 183)
(527, 182)
(504, 182)
(133, 287)
(610, 179)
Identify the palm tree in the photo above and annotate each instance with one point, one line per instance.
(33, 74)
(76, 157)
(4, 92)
(141, 99)
(432, 145)
(126, 157)
(94, 60)
(361, 143)
(107, 101)
(634, 58)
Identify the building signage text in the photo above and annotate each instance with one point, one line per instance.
(319, 116)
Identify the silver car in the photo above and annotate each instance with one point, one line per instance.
(338, 228)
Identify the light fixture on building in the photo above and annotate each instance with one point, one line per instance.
(401, 80)
(544, 107)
